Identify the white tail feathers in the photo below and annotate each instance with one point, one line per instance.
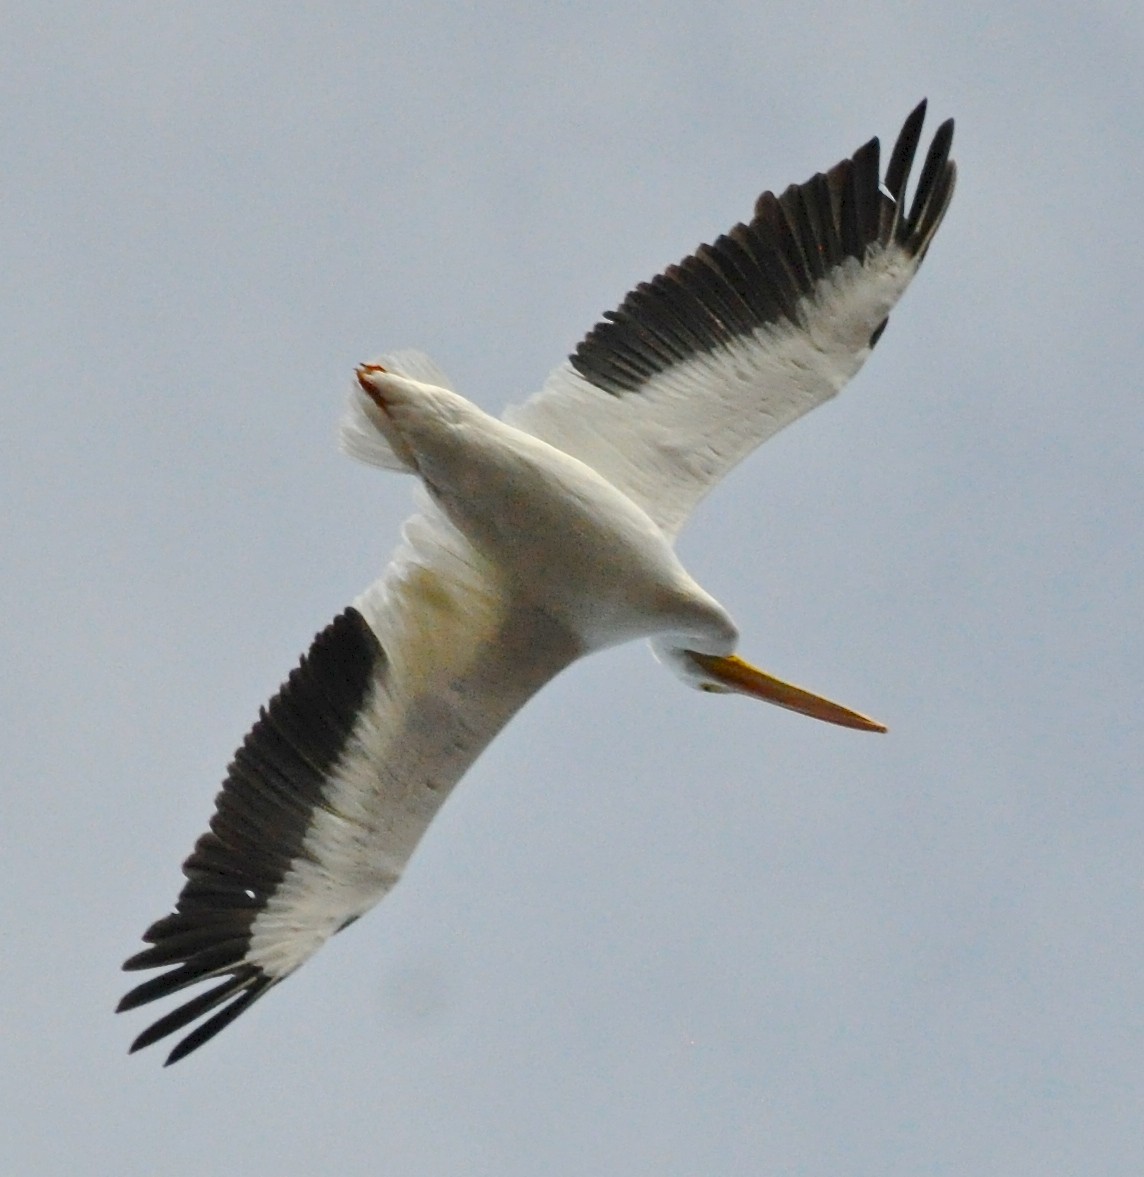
(362, 429)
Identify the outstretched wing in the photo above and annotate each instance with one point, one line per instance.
(330, 792)
(705, 362)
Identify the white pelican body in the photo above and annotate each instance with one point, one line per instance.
(539, 539)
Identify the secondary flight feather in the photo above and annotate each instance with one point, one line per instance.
(539, 538)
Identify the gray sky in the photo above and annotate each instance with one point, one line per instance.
(652, 932)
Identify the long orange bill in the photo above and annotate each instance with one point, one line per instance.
(733, 674)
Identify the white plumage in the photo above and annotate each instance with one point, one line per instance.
(539, 538)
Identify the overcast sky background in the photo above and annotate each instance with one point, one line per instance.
(652, 932)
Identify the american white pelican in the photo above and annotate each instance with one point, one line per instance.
(539, 538)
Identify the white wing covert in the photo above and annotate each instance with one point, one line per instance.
(698, 367)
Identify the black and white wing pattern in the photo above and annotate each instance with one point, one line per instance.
(332, 789)
(278, 783)
(716, 354)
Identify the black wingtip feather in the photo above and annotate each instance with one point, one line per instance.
(935, 188)
(906, 146)
(757, 273)
(220, 957)
(190, 1010)
(208, 1029)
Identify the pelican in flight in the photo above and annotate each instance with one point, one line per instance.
(539, 537)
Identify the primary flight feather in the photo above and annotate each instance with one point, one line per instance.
(539, 538)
